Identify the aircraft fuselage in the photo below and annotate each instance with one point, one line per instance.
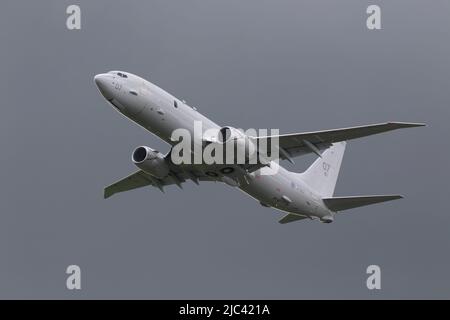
(161, 113)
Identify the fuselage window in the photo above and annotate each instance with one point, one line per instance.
(175, 104)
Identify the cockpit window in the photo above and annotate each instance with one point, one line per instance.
(123, 75)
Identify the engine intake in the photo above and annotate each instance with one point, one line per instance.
(150, 161)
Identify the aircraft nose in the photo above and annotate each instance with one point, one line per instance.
(98, 79)
(104, 84)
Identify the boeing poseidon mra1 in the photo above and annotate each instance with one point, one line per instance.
(300, 195)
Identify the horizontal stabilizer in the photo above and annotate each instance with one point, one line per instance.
(344, 203)
(291, 218)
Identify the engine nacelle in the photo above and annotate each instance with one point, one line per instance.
(237, 138)
(327, 219)
(150, 161)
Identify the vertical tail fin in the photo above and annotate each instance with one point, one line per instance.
(323, 173)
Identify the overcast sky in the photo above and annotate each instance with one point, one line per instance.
(292, 65)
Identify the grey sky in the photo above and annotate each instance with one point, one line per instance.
(292, 65)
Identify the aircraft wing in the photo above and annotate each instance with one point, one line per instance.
(296, 144)
(180, 174)
(140, 179)
(133, 181)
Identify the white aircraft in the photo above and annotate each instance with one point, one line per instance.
(300, 195)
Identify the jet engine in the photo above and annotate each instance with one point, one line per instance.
(327, 219)
(150, 161)
(240, 141)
